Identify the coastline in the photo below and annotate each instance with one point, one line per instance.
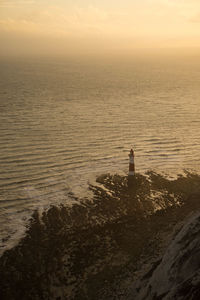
(99, 248)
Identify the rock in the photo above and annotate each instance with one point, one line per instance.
(177, 275)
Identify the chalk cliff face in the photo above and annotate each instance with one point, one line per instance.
(97, 248)
(177, 275)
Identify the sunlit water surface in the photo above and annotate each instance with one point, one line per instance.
(64, 122)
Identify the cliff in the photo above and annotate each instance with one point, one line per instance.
(99, 247)
(177, 274)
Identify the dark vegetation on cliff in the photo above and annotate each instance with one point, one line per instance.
(95, 249)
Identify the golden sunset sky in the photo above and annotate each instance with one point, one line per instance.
(84, 26)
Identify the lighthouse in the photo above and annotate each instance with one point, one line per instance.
(131, 163)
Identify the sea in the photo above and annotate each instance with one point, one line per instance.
(65, 121)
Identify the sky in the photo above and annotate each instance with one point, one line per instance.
(89, 26)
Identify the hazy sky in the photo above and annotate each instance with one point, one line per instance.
(64, 26)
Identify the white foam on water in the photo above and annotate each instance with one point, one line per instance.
(64, 124)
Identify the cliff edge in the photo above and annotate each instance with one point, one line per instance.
(177, 275)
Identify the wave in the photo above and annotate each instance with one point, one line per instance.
(83, 251)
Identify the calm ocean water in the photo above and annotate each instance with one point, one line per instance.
(64, 122)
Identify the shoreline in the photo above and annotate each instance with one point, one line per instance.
(95, 249)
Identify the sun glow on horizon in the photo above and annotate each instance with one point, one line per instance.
(29, 26)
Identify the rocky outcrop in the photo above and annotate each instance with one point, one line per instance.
(177, 275)
(94, 249)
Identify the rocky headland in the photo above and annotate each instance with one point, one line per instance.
(112, 246)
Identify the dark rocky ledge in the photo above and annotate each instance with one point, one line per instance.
(96, 249)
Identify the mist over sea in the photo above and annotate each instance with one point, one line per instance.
(63, 122)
